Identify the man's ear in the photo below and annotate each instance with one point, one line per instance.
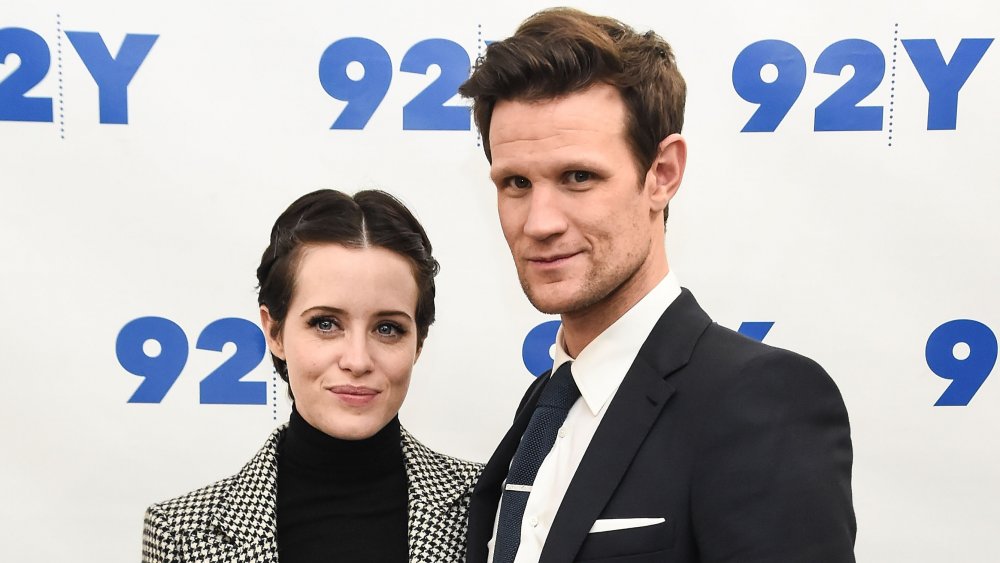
(665, 173)
(272, 335)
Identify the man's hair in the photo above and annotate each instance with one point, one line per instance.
(368, 219)
(561, 51)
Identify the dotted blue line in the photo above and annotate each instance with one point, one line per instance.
(274, 394)
(479, 53)
(892, 84)
(62, 121)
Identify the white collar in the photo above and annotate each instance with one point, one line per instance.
(601, 366)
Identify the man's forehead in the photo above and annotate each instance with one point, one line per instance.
(599, 94)
(597, 110)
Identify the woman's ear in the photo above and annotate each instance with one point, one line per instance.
(665, 173)
(271, 334)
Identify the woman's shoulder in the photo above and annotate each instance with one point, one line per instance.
(194, 507)
(196, 502)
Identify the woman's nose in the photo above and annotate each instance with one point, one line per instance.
(355, 356)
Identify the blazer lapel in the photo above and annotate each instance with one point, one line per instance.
(632, 412)
(240, 527)
(486, 496)
(439, 487)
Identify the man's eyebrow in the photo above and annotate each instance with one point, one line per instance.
(576, 163)
(504, 171)
(501, 175)
(580, 163)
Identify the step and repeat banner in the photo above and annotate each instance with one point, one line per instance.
(841, 200)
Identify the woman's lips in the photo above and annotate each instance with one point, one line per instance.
(354, 396)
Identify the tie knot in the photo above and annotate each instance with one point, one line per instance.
(561, 390)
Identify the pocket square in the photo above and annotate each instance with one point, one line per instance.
(611, 524)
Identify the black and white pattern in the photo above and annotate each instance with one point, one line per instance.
(233, 520)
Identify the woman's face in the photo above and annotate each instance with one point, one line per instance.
(349, 338)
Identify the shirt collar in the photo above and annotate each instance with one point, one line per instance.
(601, 366)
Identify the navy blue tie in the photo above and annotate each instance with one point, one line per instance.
(557, 397)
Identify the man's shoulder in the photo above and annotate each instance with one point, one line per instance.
(725, 359)
(729, 346)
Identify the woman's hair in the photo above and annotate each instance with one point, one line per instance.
(368, 219)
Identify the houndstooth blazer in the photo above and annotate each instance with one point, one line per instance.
(233, 520)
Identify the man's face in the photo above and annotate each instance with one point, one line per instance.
(579, 219)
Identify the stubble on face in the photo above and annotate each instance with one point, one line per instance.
(599, 284)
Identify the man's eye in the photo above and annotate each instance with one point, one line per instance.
(581, 176)
(520, 182)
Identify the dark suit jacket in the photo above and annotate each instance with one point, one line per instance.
(743, 449)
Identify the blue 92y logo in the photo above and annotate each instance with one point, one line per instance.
(111, 73)
(159, 369)
(841, 111)
(359, 71)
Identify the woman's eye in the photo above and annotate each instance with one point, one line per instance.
(389, 329)
(324, 324)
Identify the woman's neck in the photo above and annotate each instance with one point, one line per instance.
(311, 449)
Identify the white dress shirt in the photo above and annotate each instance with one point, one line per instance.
(598, 370)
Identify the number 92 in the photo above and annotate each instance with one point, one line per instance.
(160, 364)
(364, 93)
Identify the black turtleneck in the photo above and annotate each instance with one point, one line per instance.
(341, 500)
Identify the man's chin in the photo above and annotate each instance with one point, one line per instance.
(546, 307)
(553, 302)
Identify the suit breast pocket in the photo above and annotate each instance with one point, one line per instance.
(627, 539)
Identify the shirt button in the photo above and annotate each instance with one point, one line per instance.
(533, 522)
(562, 431)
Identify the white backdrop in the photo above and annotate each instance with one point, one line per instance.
(856, 249)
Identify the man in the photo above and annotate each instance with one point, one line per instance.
(658, 435)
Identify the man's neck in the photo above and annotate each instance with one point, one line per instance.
(580, 328)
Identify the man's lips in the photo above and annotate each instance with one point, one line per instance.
(551, 260)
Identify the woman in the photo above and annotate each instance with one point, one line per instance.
(346, 299)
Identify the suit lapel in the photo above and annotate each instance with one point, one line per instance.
(486, 496)
(634, 409)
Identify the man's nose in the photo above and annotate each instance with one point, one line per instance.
(546, 217)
